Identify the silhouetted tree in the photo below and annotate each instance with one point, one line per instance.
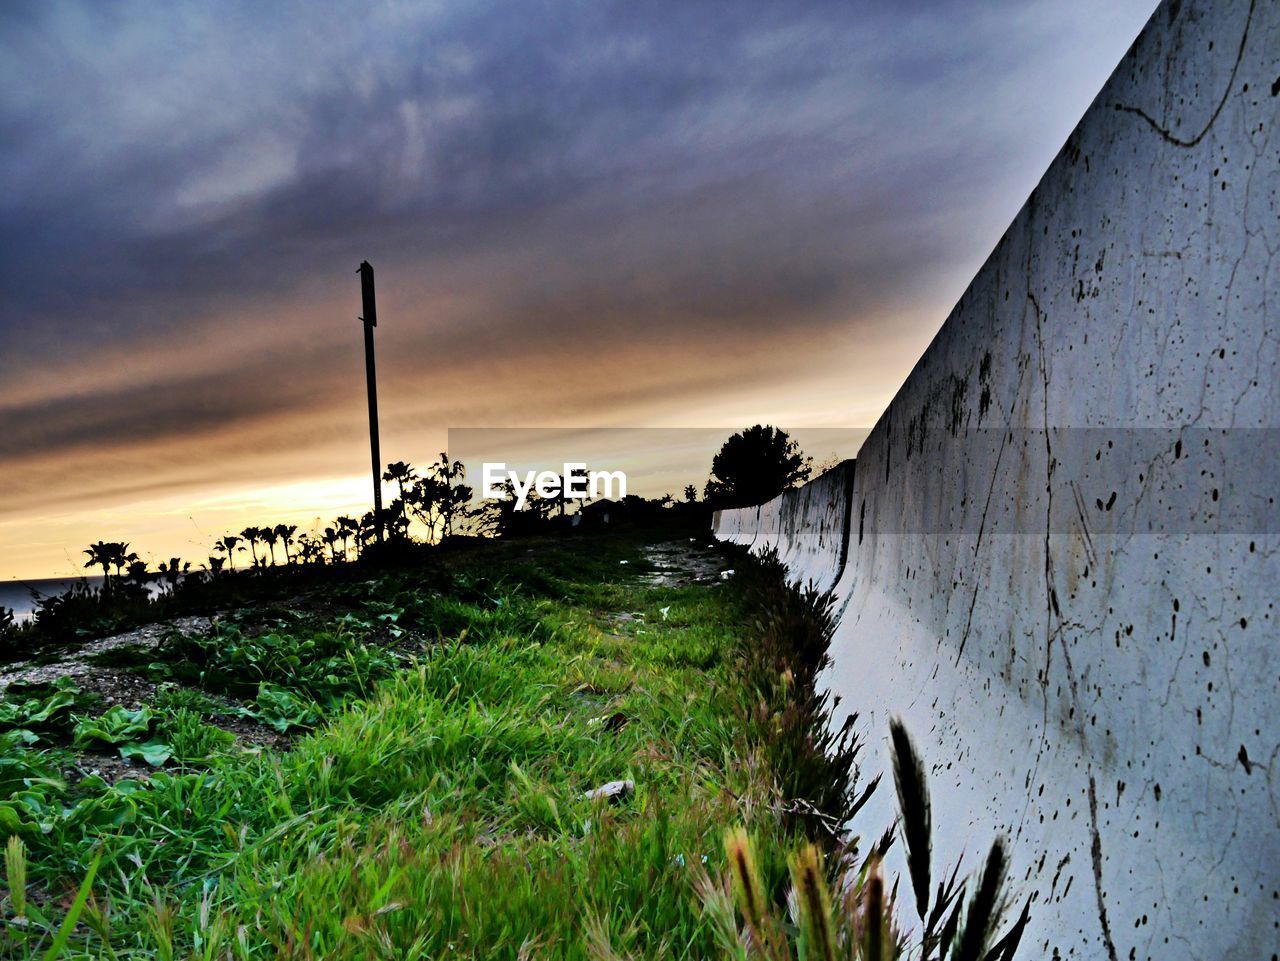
(252, 535)
(229, 545)
(452, 495)
(286, 532)
(271, 538)
(690, 493)
(124, 561)
(137, 572)
(755, 466)
(173, 571)
(401, 474)
(496, 516)
(107, 554)
(397, 513)
(368, 530)
(348, 530)
(309, 549)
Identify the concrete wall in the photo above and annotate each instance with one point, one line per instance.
(1062, 562)
(807, 526)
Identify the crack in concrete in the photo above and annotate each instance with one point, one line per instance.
(1167, 134)
(995, 475)
(1095, 853)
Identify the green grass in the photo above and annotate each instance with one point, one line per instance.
(438, 808)
(456, 714)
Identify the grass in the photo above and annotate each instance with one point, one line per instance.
(439, 805)
(454, 717)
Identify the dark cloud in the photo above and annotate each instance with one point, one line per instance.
(537, 183)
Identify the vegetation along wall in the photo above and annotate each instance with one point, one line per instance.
(1057, 557)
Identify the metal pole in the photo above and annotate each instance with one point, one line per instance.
(370, 320)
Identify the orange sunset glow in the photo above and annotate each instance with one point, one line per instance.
(576, 218)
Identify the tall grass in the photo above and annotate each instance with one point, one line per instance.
(815, 773)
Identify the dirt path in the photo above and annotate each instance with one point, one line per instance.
(86, 665)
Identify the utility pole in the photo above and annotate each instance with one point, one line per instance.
(370, 320)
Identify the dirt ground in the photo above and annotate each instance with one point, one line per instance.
(101, 666)
(90, 667)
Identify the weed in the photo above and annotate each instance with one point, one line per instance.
(190, 739)
(45, 709)
(118, 725)
(15, 873)
(788, 714)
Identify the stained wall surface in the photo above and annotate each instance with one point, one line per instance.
(1059, 561)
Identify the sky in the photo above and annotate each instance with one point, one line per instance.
(581, 214)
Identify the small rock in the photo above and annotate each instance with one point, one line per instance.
(614, 791)
(615, 721)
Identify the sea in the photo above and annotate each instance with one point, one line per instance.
(21, 596)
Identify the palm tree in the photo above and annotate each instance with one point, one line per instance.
(216, 564)
(229, 545)
(106, 554)
(285, 532)
(253, 535)
(100, 556)
(123, 559)
(173, 571)
(270, 538)
(347, 529)
(330, 537)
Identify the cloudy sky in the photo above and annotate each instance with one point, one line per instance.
(581, 214)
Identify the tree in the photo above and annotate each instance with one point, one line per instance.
(174, 571)
(229, 545)
(397, 513)
(454, 495)
(125, 560)
(755, 466)
(107, 554)
(368, 532)
(401, 474)
(138, 572)
(309, 549)
(285, 532)
(347, 530)
(271, 539)
(437, 499)
(252, 535)
(396, 516)
(690, 493)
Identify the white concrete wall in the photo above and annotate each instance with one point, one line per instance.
(1063, 562)
(807, 526)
